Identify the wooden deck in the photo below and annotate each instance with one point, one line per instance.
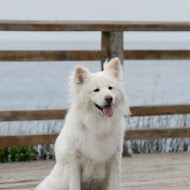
(141, 172)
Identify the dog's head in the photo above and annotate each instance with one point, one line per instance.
(101, 92)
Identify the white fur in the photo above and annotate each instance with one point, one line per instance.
(89, 147)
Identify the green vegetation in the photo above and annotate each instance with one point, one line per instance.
(18, 154)
(13, 154)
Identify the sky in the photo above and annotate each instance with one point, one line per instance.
(172, 10)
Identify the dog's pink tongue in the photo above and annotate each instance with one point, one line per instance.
(108, 111)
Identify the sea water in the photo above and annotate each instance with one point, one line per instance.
(40, 85)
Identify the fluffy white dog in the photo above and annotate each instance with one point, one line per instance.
(89, 148)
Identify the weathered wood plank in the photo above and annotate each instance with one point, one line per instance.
(27, 140)
(132, 134)
(112, 46)
(89, 55)
(29, 115)
(12, 25)
(50, 55)
(105, 43)
(160, 110)
(157, 133)
(168, 171)
(157, 54)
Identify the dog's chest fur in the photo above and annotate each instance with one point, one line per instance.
(93, 173)
(94, 154)
(98, 148)
(92, 170)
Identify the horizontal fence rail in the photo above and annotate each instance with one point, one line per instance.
(157, 54)
(50, 55)
(30, 115)
(160, 110)
(131, 134)
(90, 55)
(27, 140)
(158, 133)
(7, 25)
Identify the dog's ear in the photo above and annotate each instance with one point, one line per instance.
(114, 67)
(80, 74)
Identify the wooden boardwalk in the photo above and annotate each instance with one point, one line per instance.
(141, 172)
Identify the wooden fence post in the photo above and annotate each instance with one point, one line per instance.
(112, 46)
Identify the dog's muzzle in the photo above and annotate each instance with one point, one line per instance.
(107, 110)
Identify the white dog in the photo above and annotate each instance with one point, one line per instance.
(89, 148)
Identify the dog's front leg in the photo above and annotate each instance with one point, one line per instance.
(114, 173)
(75, 175)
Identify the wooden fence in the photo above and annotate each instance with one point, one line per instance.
(111, 46)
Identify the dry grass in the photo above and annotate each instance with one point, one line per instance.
(161, 145)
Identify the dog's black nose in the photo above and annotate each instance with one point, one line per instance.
(108, 99)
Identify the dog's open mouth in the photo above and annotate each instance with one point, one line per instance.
(106, 110)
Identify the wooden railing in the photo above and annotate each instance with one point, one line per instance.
(132, 134)
(111, 46)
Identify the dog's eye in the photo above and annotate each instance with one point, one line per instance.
(96, 90)
(110, 87)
